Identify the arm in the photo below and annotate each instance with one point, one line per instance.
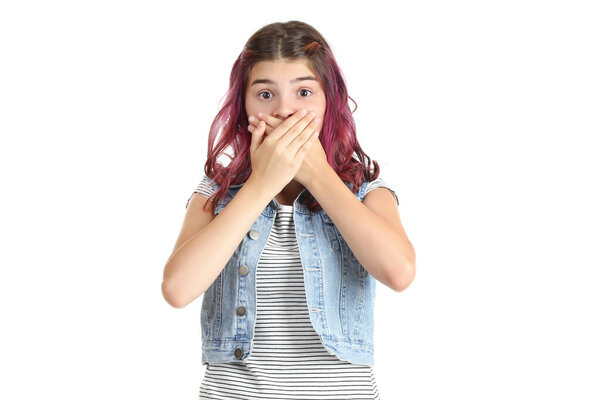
(195, 264)
(372, 228)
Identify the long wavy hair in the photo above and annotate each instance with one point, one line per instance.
(292, 40)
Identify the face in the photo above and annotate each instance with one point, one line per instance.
(283, 96)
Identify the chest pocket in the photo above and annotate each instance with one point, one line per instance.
(335, 243)
(332, 232)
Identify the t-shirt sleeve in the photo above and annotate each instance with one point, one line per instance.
(377, 183)
(205, 187)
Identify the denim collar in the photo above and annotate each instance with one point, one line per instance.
(298, 203)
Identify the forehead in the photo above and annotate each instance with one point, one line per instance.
(280, 70)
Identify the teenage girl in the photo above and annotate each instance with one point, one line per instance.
(287, 241)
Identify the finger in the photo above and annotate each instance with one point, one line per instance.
(306, 146)
(305, 135)
(253, 125)
(257, 134)
(288, 123)
(261, 117)
(270, 120)
(298, 128)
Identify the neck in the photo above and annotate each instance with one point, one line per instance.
(289, 193)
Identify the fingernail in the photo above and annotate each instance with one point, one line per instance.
(252, 119)
(313, 113)
(303, 112)
(260, 115)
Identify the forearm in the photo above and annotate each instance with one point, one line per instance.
(194, 266)
(382, 251)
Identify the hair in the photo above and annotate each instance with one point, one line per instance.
(292, 40)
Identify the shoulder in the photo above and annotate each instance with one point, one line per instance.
(206, 187)
(380, 183)
(382, 200)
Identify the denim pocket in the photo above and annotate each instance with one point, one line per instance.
(211, 309)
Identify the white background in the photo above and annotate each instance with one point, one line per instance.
(483, 116)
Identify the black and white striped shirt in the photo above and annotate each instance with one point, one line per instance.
(288, 360)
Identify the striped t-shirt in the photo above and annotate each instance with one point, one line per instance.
(288, 360)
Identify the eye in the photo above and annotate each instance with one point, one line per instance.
(305, 90)
(260, 94)
(264, 91)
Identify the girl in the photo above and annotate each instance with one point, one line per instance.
(289, 251)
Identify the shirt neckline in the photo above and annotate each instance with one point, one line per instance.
(283, 206)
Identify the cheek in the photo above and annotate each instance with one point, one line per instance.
(320, 109)
(253, 107)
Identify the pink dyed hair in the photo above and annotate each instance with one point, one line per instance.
(291, 40)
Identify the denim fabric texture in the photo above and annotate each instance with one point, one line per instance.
(340, 293)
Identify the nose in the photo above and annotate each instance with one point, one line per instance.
(284, 110)
(284, 114)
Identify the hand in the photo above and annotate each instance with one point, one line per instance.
(314, 160)
(277, 157)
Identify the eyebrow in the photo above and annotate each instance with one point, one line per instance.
(270, 82)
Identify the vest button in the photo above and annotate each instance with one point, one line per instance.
(243, 270)
(241, 310)
(238, 353)
(253, 234)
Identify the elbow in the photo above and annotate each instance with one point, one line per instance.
(404, 277)
(171, 296)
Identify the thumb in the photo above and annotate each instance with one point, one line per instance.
(257, 137)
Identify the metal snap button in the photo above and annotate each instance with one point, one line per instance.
(241, 310)
(253, 234)
(238, 353)
(243, 270)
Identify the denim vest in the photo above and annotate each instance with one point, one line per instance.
(340, 293)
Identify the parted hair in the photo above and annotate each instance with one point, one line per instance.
(292, 40)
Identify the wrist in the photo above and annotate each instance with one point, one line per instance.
(258, 188)
(319, 175)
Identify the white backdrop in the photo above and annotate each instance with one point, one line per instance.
(482, 116)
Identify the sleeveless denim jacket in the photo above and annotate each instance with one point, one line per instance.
(340, 293)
